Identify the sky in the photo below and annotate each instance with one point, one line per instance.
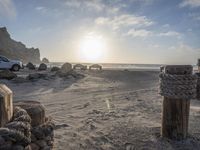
(107, 31)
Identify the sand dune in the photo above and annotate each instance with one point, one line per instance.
(107, 110)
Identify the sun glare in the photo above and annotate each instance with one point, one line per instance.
(92, 48)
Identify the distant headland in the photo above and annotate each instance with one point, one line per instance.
(17, 50)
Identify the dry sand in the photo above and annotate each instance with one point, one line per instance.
(106, 110)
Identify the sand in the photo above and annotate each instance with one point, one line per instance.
(106, 110)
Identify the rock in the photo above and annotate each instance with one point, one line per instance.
(35, 76)
(70, 74)
(35, 110)
(29, 148)
(66, 67)
(33, 138)
(42, 67)
(95, 66)
(55, 69)
(45, 60)
(38, 133)
(19, 80)
(34, 146)
(7, 74)
(46, 148)
(30, 66)
(41, 143)
(64, 71)
(17, 147)
(80, 66)
(17, 50)
(2, 141)
(50, 143)
(6, 146)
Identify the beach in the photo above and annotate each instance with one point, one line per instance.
(105, 110)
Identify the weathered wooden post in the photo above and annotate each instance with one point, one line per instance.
(178, 86)
(198, 81)
(6, 104)
(35, 110)
(198, 65)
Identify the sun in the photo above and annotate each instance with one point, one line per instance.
(92, 48)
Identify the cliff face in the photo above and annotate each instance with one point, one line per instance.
(17, 50)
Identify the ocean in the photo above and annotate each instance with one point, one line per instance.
(114, 66)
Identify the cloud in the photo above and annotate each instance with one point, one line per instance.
(190, 3)
(139, 33)
(7, 8)
(96, 5)
(125, 20)
(195, 16)
(184, 52)
(170, 33)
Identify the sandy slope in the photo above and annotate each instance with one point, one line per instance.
(108, 110)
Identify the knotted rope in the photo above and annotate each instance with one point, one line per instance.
(198, 86)
(19, 129)
(178, 86)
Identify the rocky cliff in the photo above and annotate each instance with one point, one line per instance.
(17, 50)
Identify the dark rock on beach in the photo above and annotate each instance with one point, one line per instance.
(53, 69)
(45, 60)
(30, 66)
(7, 74)
(42, 67)
(36, 76)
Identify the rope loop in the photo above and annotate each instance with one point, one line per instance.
(178, 86)
(19, 129)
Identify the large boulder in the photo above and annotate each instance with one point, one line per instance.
(95, 66)
(30, 66)
(42, 67)
(80, 66)
(7, 74)
(53, 69)
(65, 69)
(45, 60)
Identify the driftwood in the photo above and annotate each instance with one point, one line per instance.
(6, 105)
(35, 110)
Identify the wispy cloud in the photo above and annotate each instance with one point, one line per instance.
(190, 3)
(125, 20)
(139, 33)
(195, 16)
(96, 5)
(170, 34)
(7, 8)
(184, 52)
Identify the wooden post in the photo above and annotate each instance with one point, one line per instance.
(175, 112)
(6, 104)
(35, 110)
(198, 65)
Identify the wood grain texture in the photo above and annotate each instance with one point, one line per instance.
(175, 112)
(35, 109)
(6, 104)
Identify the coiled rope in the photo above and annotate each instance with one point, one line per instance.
(19, 129)
(198, 86)
(178, 86)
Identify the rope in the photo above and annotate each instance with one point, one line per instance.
(19, 129)
(198, 86)
(178, 86)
